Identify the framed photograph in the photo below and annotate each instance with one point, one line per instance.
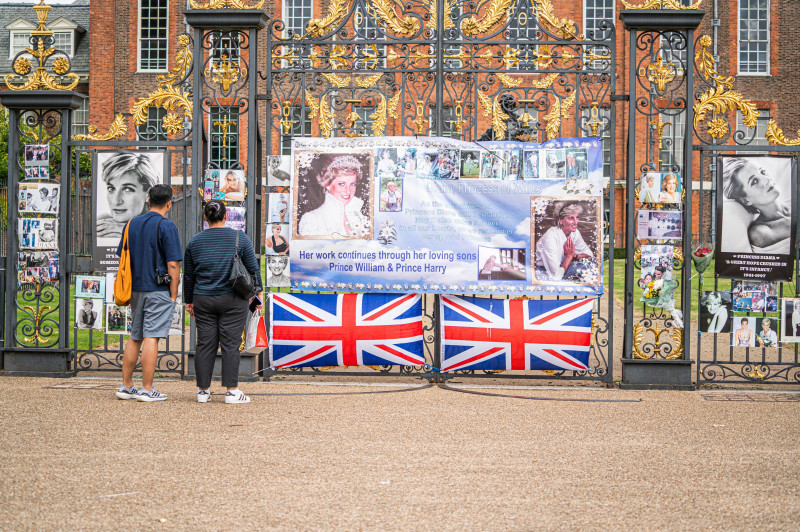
(90, 286)
(501, 264)
(656, 263)
(715, 312)
(391, 194)
(332, 195)
(37, 154)
(743, 302)
(790, 314)
(89, 313)
(755, 217)
(513, 164)
(278, 271)
(491, 165)
(671, 189)
(470, 164)
(577, 166)
(39, 198)
(767, 329)
(279, 170)
(650, 188)
(427, 162)
(118, 319)
(744, 331)
(279, 208)
(38, 233)
(554, 221)
(122, 181)
(235, 218)
(110, 278)
(530, 164)
(555, 163)
(659, 225)
(277, 239)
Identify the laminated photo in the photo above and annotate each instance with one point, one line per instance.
(656, 263)
(89, 313)
(386, 163)
(659, 225)
(279, 168)
(39, 198)
(501, 264)
(118, 319)
(279, 208)
(715, 312)
(767, 332)
(530, 164)
(234, 218)
(470, 164)
(38, 233)
(756, 218)
(744, 331)
(790, 314)
(278, 271)
(226, 184)
(277, 239)
(37, 154)
(447, 167)
(90, 286)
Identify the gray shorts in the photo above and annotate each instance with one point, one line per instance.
(151, 314)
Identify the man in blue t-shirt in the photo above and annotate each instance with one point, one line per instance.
(155, 249)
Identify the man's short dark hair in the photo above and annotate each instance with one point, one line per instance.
(160, 195)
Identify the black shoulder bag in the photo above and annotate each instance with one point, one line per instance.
(242, 282)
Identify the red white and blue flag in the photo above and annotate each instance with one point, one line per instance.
(490, 334)
(346, 330)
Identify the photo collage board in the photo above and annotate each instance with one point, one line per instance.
(95, 307)
(277, 229)
(436, 215)
(755, 248)
(38, 204)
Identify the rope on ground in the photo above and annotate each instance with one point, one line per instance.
(399, 390)
(489, 394)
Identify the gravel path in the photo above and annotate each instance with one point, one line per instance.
(313, 457)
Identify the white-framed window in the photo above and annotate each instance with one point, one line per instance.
(594, 13)
(760, 136)
(80, 118)
(224, 143)
(20, 40)
(753, 35)
(153, 35)
(226, 43)
(301, 127)
(671, 152)
(152, 128)
(522, 27)
(296, 14)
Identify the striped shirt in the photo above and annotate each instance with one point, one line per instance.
(208, 261)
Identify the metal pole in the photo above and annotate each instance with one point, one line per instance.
(65, 227)
(253, 180)
(439, 66)
(687, 179)
(609, 377)
(12, 215)
(627, 348)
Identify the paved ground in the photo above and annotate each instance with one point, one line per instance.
(311, 457)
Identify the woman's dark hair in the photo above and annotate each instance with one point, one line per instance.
(214, 211)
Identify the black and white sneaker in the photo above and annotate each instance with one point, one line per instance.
(236, 397)
(152, 395)
(127, 393)
(203, 396)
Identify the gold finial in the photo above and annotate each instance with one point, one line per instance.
(40, 79)
(659, 127)
(225, 125)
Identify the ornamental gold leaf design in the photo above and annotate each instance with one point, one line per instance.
(448, 9)
(317, 27)
(116, 130)
(662, 4)
(545, 82)
(312, 104)
(369, 81)
(383, 11)
(677, 339)
(337, 57)
(638, 339)
(40, 78)
(720, 100)
(775, 135)
(336, 80)
(707, 66)
(553, 119)
(545, 13)
(326, 117)
(379, 118)
(232, 4)
(497, 12)
(499, 118)
(486, 103)
(394, 104)
(508, 81)
(168, 95)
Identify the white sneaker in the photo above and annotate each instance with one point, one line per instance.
(203, 396)
(149, 396)
(236, 397)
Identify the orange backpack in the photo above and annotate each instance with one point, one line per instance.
(123, 284)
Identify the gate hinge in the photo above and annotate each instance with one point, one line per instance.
(620, 97)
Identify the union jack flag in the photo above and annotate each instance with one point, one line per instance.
(484, 334)
(346, 330)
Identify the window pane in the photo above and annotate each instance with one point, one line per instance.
(153, 35)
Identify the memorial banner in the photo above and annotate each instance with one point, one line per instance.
(438, 215)
(756, 217)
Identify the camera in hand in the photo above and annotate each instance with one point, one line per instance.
(163, 279)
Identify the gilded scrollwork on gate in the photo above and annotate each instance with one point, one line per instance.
(230, 4)
(648, 342)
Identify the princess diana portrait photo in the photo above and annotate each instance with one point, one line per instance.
(791, 320)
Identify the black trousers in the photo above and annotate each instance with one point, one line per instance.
(220, 322)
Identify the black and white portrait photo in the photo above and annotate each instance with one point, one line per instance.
(333, 195)
(279, 211)
(38, 198)
(89, 313)
(715, 312)
(791, 320)
(277, 271)
(755, 217)
(279, 168)
(566, 240)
